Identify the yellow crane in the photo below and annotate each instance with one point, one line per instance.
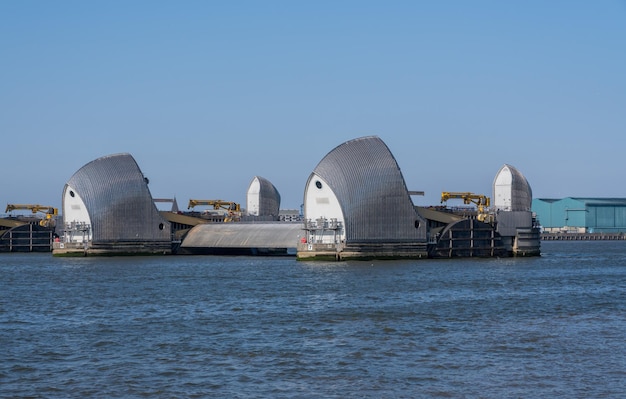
(233, 208)
(482, 202)
(216, 204)
(49, 211)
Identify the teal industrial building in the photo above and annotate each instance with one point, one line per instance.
(581, 215)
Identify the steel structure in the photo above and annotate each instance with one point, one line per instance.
(273, 238)
(107, 206)
(511, 191)
(262, 198)
(357, 196)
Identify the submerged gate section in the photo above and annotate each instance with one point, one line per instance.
(26, 238)
(468, 238)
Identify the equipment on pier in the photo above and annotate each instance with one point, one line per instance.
(232, 209)
(49, 212)
(482, 202)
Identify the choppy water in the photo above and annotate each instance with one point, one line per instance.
(243, 327)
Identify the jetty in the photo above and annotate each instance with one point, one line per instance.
(582, 236)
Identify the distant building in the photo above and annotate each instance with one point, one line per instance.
(581, 215)
(289, 215)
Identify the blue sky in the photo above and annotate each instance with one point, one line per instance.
(206, 94)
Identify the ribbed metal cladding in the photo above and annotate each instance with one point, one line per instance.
(367, 181)
(243, 235)
(521, 193)
(118, 201)
(269, 198)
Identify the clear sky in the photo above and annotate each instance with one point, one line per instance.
(208, 94)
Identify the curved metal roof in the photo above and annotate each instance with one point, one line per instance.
(375, 202)
(243, 235)
(119, 203)
(269, 197)
(521, 193)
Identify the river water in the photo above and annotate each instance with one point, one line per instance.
(249, 327)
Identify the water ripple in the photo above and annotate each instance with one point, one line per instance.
(272, 327)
